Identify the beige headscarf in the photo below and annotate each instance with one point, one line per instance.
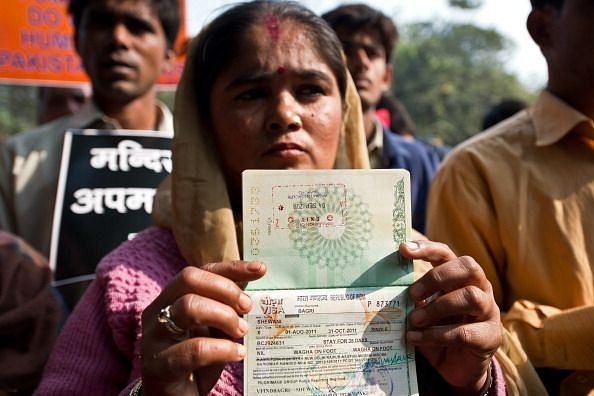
(193, 201)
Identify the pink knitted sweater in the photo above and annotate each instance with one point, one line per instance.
(97, 351)
(98, 348)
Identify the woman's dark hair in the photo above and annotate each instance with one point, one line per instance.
(218, 42)
(543, 3)
(166, 10)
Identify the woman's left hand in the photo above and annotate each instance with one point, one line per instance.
(456, 322)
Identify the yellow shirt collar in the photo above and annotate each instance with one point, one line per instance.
(554, 119)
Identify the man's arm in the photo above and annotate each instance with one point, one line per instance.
(462, 214)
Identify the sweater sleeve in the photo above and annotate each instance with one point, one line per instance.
(498, 387)
(85, 358)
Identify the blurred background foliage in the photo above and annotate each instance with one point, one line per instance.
(466, 4)
(448, 75)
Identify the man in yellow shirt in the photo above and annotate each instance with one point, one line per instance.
(519, 198)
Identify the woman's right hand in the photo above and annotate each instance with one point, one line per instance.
(208, 303)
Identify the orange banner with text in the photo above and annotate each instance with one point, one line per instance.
(36, 46)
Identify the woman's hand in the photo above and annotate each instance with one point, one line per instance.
(207, 303)
(456, 322)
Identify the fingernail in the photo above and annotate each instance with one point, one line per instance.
(254, 266)
(245, 302)
(241, 351)
(242, 325)
(412, 245)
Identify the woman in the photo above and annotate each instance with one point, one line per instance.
(264, 86)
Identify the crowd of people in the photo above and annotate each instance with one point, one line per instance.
(503, 222)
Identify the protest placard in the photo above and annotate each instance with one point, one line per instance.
(105, 195)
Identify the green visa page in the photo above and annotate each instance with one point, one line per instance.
(329, 316)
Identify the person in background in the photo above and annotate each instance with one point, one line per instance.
(368, 38)
(124, 47)
(56, 102)
(30, 315)
(502, 111)
(264, 86)
(394, 115)
(519, 198)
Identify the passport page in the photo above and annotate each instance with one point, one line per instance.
(330, 314)
(327, 228)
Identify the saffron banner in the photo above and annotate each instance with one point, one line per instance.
(36, 45)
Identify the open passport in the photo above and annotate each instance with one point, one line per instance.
(330, 314)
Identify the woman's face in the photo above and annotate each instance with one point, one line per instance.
(278, 105)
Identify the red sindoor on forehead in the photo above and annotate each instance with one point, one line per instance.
(273, 26)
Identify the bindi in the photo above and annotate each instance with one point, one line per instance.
(273, 26)
(281, 70)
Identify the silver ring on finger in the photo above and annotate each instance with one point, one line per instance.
(164, 317)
